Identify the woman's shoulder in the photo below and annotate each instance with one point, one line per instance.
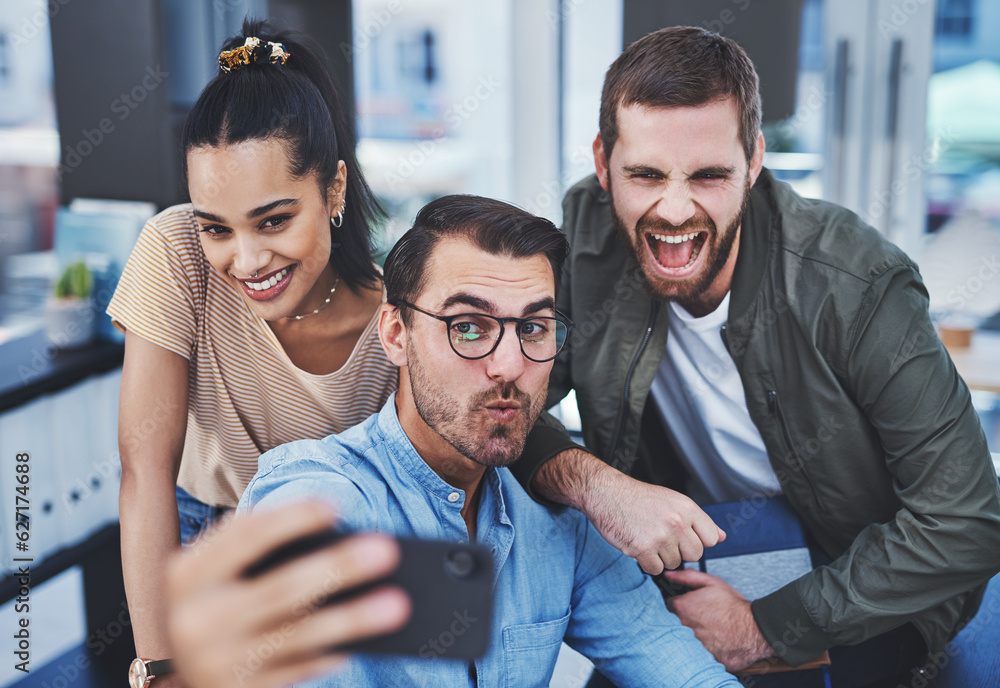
(170, 239)
(161, 294)
(176, 224)
(169, 252)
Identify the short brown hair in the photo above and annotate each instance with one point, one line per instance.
(497, 228)
(682, 66)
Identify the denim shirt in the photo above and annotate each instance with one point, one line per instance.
(555, 578)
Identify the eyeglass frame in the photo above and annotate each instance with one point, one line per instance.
(447, 320)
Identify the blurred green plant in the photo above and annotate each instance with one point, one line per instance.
(75, 282)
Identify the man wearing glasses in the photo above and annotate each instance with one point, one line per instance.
(470, 320)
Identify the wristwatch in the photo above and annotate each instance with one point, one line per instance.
(143, 671)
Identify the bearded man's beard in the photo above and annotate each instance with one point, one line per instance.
(687, 292)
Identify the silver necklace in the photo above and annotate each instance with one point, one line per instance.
(322, 305)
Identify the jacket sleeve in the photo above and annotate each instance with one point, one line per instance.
(945, 538)
(549, 437)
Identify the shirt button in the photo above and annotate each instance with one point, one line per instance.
(454, 497)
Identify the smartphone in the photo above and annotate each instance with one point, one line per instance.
(450, 589)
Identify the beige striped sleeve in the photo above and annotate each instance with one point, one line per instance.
(161, 293)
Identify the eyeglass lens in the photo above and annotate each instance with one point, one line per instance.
(476, 335)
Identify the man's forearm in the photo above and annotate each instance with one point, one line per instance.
(569, 476)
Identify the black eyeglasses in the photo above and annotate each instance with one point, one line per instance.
(477, 335)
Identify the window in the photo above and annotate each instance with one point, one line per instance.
(955, 19)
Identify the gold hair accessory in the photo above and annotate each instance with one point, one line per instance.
(251, 52)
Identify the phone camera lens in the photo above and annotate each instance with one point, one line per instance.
(459, 563)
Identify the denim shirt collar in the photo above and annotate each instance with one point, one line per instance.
(493, 525)
(406, 456)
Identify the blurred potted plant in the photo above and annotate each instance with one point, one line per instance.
(69, 314)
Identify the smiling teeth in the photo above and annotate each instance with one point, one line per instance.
(675, 238)
(267, 284)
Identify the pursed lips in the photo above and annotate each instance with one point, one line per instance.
(503, 411)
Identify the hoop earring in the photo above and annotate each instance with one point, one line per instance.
(338, 220)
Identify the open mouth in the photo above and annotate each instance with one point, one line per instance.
(268, 286)
(676, 251)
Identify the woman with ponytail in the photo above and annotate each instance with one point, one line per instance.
(249, 314)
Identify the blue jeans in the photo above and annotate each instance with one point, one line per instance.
(884, 661)
(195, 516)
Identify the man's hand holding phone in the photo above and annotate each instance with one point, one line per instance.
(228, 629)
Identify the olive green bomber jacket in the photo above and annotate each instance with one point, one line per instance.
(869, 429)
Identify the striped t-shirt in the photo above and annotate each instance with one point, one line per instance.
(245, 396)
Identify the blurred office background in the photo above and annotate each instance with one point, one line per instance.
(889, 107)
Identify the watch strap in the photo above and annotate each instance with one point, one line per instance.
(161, 667)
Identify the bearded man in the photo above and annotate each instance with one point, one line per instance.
(736, 341)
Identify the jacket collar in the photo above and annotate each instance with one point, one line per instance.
(757, 243)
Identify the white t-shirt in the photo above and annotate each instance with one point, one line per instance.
(700, 395)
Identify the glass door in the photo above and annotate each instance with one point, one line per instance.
(913, 146)
(878, 65)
